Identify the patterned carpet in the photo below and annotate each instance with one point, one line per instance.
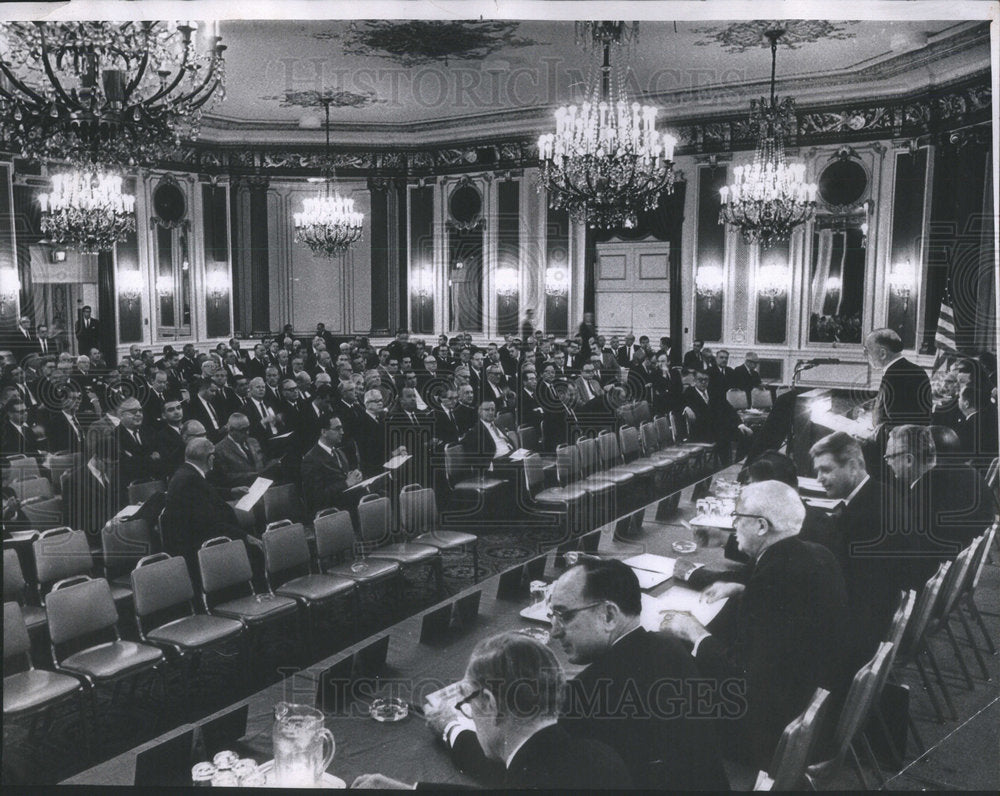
(52, 747)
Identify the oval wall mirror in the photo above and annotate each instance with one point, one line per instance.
(169, 203)
(843, 183)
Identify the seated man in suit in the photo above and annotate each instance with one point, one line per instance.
(239, 459)
(486, 444)
(977, 428)
(942, 505)
(194, 511)
(714, 420)
(202, 407)
(372, 439)
(791, 634)
(746, 377)
(595, 609)
(91, 491)
(529, 411)
(138, 458)
(326, 473)
(466, 410)
(17, 436)
(513, 687)
(169, 441)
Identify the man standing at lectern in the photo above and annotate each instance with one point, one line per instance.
(904, 394)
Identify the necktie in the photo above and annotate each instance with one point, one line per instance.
(211, 413)
(246, 452)
(341, 460)
(45, 346)
(73, 425)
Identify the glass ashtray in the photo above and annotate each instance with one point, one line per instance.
(684, 547)
(388, 709)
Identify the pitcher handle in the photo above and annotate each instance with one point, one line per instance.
(328, 757)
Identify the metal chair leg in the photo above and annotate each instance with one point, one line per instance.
(874, 760)
(974, 610)
(858, 769)
(972, 643)
(941, 682)
(958, 655)
(921, 746)
(930, 691)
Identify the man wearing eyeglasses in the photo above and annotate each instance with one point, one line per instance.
(791, 634)
(513, 689)
(623, 696)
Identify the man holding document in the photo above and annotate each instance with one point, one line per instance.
(791, 633)
(326, 477)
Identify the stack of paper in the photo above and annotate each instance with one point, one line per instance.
(678, 598)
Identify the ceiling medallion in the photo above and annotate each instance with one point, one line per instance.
(606, 161)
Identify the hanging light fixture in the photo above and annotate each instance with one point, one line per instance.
(606, 162)
(121, 92)
(769, 198)
(328, 223)
(86, 210)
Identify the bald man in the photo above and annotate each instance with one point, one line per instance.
(138, 459)
(791, 635)
(194, 511)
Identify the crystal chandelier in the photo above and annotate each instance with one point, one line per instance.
(606, 161)
(328, 224)
(118, 92)
(86, 210)
(769, 198)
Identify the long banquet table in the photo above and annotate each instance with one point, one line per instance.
(407, 749)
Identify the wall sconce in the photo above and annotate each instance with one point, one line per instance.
(901, 282)
(506, 282)
(57, 255)
(708, 281)
(556, 282)
(10, 288)
(217, 286)
(165, 286)
(422, 283)
(130, 288)
(772, 283)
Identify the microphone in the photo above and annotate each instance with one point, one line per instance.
(824, 361)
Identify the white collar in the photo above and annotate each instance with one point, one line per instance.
(856, 489)
(196, 467)
(329, 450)
(96, 471)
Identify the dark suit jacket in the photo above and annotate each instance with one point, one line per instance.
(904, 396)
(791, 638)
(479, 444)
(466, 417)
(446, 429)
(194, 512)
(88, 335)
(372, 442)
(715, 421)
(134, 462)
(324, 479)
(693, 360)
(620, 701)
(12, 442)
(743, 378)
(171, 449)
(529, 412)
(60, 435)
(195, 410)
(232, 465)
(977, 436)
(87, 504)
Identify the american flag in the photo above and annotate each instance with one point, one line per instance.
(944, 337)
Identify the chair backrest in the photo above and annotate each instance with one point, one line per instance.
(515, 437)
(285, 550)
(37, 486)
(15, 633)
(159, 582)
(282, 503)
(123, 543)
(897, 628)
(223, 563)
(334, 533)
(737, 399)
(794, 750)
(567, 464)
(44, 514)
(418, 510)
(860, 698)
(61, 553)
(641, 413)
(505, 421)
(374, 519)
(455, 468)
(607, 443)
(530, 438)
(588, 456)
(534, 473)
(664, 431)
(20, 466)
(141, 491)
(59, 463)
(631, 447)
(650, 439)
(980, 560)
(625, 415)
(924, 608)
(13, 577)
(955, 581)
(993, 476)
(760, 398)
(79, 608)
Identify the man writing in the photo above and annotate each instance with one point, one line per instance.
(326, 474)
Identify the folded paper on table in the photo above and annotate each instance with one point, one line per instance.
(653, 563)
(257, 489)
(127, 512)
(448, 695)
(649, 580)
(827, 504)
(397, 461)
(712, 521)
(367, 482)
(678, 598)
